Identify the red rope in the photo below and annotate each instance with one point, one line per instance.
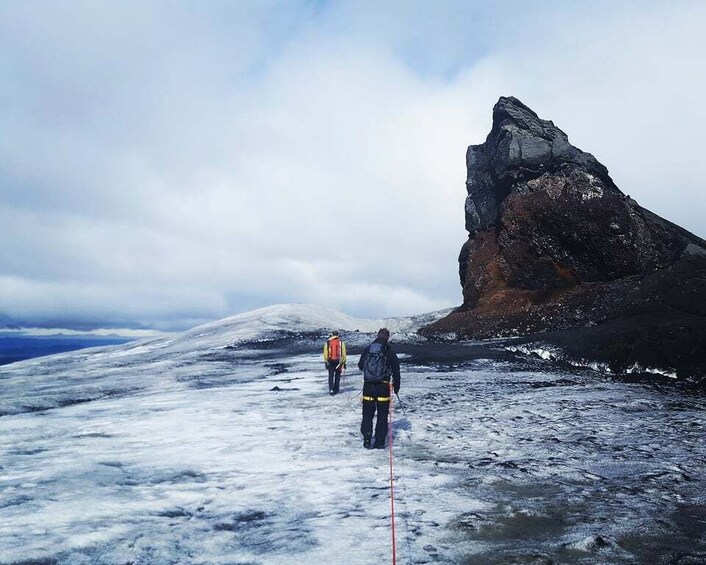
(392, 485)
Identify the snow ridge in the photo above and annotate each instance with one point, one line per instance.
(271, 321)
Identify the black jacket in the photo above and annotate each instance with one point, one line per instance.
(392, 361)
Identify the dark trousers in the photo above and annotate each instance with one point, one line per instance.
(375, 391)
(334, 375)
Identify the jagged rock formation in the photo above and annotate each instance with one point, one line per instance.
(554, 244)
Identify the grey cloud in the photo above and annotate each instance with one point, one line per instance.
(163, 163)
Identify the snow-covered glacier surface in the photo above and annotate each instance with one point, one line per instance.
(221, 445)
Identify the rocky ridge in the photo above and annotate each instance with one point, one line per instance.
(557, 252)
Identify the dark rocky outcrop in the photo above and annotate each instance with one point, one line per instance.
(555, 247)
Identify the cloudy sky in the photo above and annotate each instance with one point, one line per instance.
(167, 163)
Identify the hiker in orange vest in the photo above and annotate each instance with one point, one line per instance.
(335, 360)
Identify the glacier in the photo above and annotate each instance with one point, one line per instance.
(221, 445)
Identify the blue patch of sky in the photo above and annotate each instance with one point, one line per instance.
(276, 26)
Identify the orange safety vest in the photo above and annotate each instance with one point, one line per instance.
(334, 348)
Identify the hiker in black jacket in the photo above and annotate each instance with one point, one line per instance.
(379, 364)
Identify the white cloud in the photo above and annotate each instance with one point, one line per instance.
(164, 163)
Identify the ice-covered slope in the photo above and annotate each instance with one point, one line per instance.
(280, 320)
(222, 446)
(291, 319)
(64, 379)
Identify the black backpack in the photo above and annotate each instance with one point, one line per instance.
(375, 368)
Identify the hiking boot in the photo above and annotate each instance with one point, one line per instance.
(380, 445)
(366, 443)
(332, 392)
